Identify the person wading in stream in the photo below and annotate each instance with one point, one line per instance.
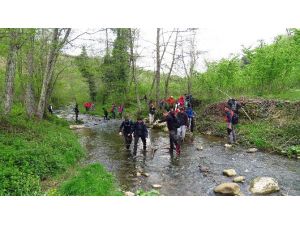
(183, 122)
(173, 125)
(126, 129)
(231, 120)
(140, 131)
(76, 110)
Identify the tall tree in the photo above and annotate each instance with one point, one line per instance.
(85, 66)
(56, 45)
(133, 36)
(11, 69)
(158, 64)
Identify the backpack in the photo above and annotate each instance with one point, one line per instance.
(235, 119)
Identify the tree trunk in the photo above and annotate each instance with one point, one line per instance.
(51, 61)
(29, 96)
(171, 67)
(10, 71)
(47, 74)
(157, 96)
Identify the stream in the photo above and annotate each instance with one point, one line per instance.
(180, 175)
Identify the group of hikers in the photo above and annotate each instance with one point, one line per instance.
(178, 115)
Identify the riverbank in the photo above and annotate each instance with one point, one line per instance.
(44, 157)
(274, 125)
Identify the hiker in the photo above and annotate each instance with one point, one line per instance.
(140, 131)
(76, 110)
(231, 120)
(87, 106)
(182, 118)
(126, 129)
(113, 111)
(50, 109)
(181, 101)
(173, 125)
(190, 113)
(121, 110)
(152, 111)
(105, 114)
(171, 101)
(234, 105)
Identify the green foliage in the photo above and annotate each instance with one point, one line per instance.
(292, 151)
(32, 151)
(88, 68)
(92, 180)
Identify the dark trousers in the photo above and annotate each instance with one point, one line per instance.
(136, 140)
(113, 115)
(173, 139)
(128, 140)
(76, 116)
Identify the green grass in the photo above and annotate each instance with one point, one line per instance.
(33, 152)
(93, 180)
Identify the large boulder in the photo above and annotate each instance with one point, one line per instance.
(264, 185)
(229, 172)
(228, 189)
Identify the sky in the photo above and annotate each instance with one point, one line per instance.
(217, 43)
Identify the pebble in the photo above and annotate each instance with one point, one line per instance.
(145, 174)
(239, 179)
(129, 193)
(227, 146)
(252, 150)
(138, 174)
(229, 172)
(199, 147)
(156, 185)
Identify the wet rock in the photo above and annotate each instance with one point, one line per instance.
(129, 193)
(227, 146)
(246, 171)
(229, 172)
(73, 127)
(252, 150)
(138, 174)
(156, 185)
(203, 169)
(199, 147)
(165, 129)
(157, 125)
(239, 179)
(264, 185)
(145, 174)
(228, 189)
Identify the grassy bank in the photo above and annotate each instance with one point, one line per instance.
(275, 125)
(33, 152)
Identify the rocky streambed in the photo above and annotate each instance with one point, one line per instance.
(200, 170)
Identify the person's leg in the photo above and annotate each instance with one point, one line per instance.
(183, 130)
(171, 136)
(127, 143)
(233, 134)
(144, 143)
(136, 140)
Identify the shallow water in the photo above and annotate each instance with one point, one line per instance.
(181, 176)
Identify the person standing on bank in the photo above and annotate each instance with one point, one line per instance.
(140, 131)
(126, 129)
(76, 110)
(50, 109)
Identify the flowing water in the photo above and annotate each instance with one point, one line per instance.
(181, 175)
